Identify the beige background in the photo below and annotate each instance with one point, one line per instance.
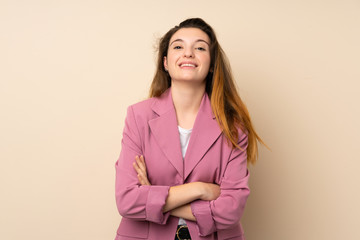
(69, 69)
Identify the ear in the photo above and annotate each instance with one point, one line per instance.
(165, 63)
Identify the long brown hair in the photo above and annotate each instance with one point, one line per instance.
(229, 110)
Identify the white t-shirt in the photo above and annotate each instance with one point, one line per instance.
(184, 141)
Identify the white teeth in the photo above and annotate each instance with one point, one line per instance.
(187, 65)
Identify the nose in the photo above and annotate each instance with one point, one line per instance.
(188, 52)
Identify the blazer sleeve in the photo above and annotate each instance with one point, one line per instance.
(132, 199)
(227, 209)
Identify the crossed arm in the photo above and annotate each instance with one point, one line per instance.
(180, 197)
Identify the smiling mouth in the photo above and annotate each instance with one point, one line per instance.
(187, 65)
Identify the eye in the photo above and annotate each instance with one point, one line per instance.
(177, 47)
(201, 48)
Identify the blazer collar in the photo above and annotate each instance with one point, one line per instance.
(165, 130)
(164, 103)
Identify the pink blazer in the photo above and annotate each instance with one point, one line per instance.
(151, 130)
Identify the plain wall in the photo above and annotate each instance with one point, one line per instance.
(69, 69)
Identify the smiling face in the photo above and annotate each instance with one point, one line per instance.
(188, 55)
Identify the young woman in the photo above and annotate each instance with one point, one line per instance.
(182, 171)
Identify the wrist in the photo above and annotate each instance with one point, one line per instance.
(199, 189)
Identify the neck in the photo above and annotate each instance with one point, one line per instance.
(187, 99)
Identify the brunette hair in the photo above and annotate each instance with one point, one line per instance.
(229, 110)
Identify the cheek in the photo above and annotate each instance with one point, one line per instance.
(172, 57)
(206, 60)
(171, 60)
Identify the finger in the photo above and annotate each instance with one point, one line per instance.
(139, 171)
(145, 181)
(136, 167)
(141, 163)
(141, 181)
(140, 168)
(138, 163)
(142, 177)
(142, 160)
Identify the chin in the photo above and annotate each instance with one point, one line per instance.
(191, 78)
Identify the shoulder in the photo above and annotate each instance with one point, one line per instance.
(141, 110)
(242, 135)
(142, 106)
(154, 105)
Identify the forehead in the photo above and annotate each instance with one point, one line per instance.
(190, 34)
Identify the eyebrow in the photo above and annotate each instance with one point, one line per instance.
(180, 40)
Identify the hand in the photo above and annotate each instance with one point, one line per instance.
(140, 168)
(210, 191)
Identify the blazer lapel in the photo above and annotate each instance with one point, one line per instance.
(205, 132)
(165, 130)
